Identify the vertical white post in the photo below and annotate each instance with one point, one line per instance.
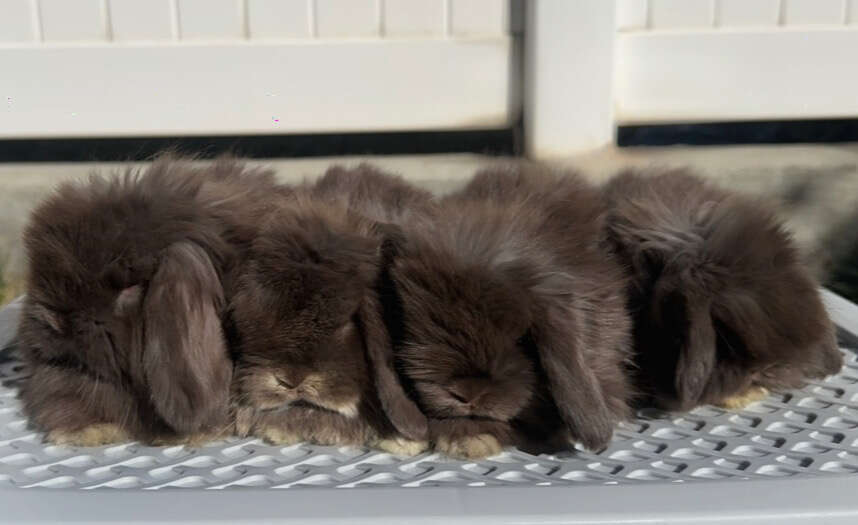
(569, 63)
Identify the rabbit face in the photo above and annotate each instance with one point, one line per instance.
(298, 312)
(467, 338)
(330, 375)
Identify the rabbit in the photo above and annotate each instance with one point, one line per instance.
(724, 310)
(128, 279)
(314, 358)
(514, 330)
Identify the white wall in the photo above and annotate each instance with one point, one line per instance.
(591, 67)
(655, 15)
(166, 20)
(173, 67)
(717, 60)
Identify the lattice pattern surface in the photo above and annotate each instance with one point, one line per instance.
(811, 432)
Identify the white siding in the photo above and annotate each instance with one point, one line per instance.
(209, 19)
(132, 20)
(347, 18)
(413, 17)
(64, 20)
(742, 13)
(279, 18)
(16, 21)
(670, 14)
(178, 67)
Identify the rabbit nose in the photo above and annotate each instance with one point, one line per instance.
(466, 392)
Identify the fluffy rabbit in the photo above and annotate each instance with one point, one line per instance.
(128, 275)
(724, 310)
(315, 361)
(514, 329)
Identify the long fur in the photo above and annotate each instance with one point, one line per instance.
(128, 276)
(514, 320)
(721, 300)
(309, 318)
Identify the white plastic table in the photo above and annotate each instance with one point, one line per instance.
(789, 459)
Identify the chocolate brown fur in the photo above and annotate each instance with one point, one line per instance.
(514, 315)
(128, 276)
(722, 302)
(315, 359)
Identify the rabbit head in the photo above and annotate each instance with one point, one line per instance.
(514, 289)
(309, 321)
(466, 342)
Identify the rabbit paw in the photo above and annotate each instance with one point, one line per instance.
(243, 421)
(278, 435)
(470, 447)
(400, 446)
(740, 401)
(90, 436)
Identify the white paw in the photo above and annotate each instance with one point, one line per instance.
(243, 420)
(740, 401)
(91, 436)
(401, 446)
(278, 435)
(470, 447)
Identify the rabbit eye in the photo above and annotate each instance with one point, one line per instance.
(284, 383)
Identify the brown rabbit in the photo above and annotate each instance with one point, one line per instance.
(514, 328)
(315, 361)
(724, 310)
(128, 276)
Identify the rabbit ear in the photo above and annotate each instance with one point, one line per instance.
(687, 323)
(697, 356)
(399, 408)
(185, 359)
(573, 384)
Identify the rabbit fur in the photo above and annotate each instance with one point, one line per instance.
(724, 310)
(315, 360)
(128, 279)
(514, 328)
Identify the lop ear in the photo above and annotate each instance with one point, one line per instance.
(579, 397)
(688, 324)
(399, 408)
(185, 360)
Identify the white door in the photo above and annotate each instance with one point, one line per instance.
(184, 67)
